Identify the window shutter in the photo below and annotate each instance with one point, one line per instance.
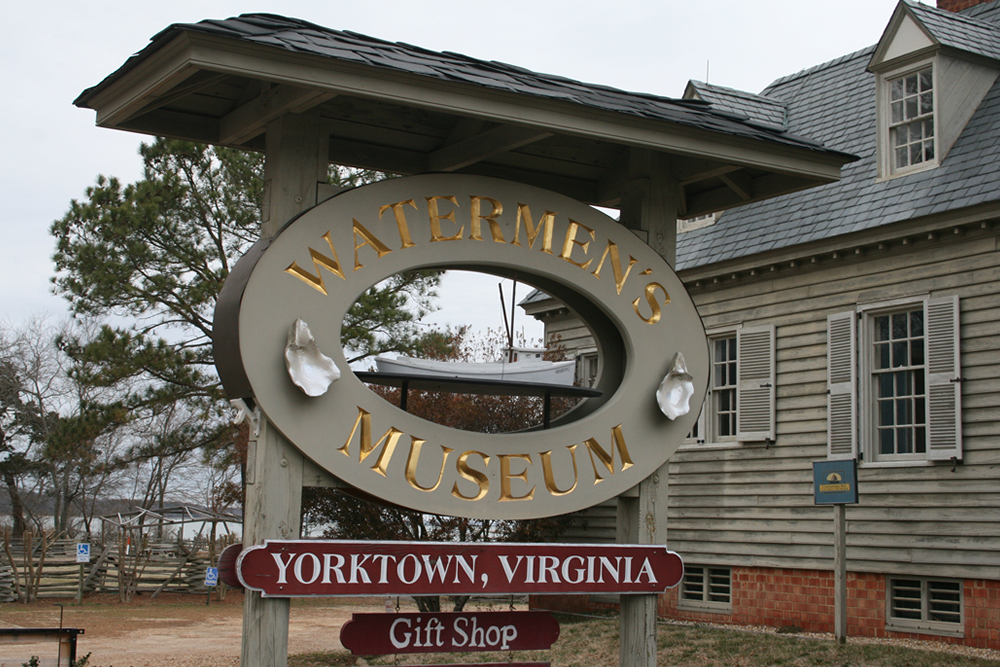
(755, 383)
(944, 386)
(842, 386)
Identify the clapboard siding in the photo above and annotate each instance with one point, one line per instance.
(753, 506)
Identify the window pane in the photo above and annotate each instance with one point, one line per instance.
(901, 157)
(920, 438)
(926, 103)
(929, 149)
(912, 111)
(917, 323)
(897, 89)
(885, 413)
(926, 80)
(916, 155)
(900, 135)
(899, 325)
(911, 84)
(885, 385)
(899, 356)
(882, 356)
(903, 383)
(929, 127)
(882, 327)
(897, 112)
(917, 352)
(886, 442)
(904, 415)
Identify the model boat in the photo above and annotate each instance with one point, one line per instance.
(520, 365)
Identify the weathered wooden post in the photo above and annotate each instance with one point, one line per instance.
(295, 161)
(649, 209)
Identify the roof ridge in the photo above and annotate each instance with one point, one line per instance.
(816, 68)
(737, 91)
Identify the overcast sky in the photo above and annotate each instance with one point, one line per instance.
(51, 151)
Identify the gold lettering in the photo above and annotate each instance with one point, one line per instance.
(474, 476)
(319, 261)
(475, 231)
(654, 305)
(436, 218)
(567, 249)
(413, 460)
(616, 265)
(370, 240)
(389, 440)
(594, 448)
(400, 214)
(505, 477)
(547, 222)
(550, 478)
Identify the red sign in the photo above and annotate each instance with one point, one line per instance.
(295, 568)
(449, 632)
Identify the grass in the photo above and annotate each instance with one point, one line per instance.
(589, 642)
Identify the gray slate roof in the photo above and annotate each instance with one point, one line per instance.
(303, 37)
(756, 108)
(959, 31)
(835, 104)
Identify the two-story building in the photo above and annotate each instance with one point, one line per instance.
(859, 319)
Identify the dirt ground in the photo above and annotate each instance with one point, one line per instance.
(171, 630)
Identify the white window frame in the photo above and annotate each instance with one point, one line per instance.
(886, 151)
(754, 389)
(706, 603)
(852, 423)
(926, 624)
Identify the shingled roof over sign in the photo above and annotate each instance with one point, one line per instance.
(835, 103)
(303, 37)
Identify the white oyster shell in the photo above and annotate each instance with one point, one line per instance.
(675, 391)
(312, 371)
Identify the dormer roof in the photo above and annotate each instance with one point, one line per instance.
(755, 108)
(916, 29)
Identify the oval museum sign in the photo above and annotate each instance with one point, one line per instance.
(278, 343)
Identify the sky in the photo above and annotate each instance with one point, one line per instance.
(51, 151)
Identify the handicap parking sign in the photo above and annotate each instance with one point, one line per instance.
(212, 576)
(82, 553)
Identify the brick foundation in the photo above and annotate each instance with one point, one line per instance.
(804, 599)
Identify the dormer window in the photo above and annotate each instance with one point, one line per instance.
(911, 125)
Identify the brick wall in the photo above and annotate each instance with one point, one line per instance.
(804, 599)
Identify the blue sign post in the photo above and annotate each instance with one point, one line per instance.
(211, 581)
(836, 483)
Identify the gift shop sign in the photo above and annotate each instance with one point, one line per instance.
(449, 632)
(298, 568)
(306, 278)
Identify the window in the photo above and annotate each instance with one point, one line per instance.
(724, 383)
(690, 224)
(587, 366)
(907, 405)
(924, 605)
(739, 406)
(706, 589)
(897, 383)
(911, 119)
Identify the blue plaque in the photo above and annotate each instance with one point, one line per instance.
(836, 482)
(212, 576)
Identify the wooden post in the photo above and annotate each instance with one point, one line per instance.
(649, 208)
(840, 573)
(296, 160)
